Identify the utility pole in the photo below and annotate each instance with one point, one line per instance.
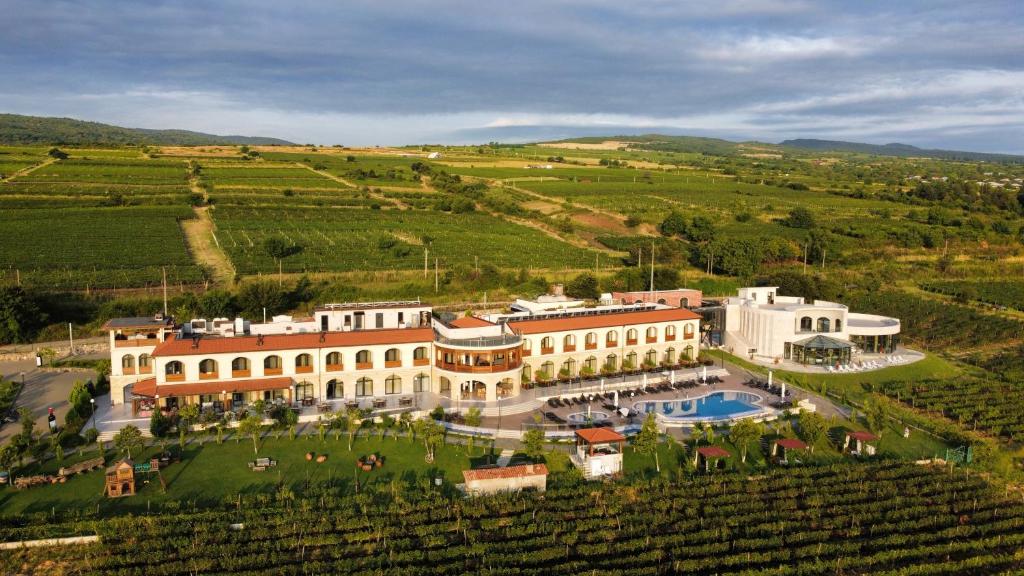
(71, 340)
(806, 247)
(425, 252)
(436, 277)
(823, 251)
(652, 268)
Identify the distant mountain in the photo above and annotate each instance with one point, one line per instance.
(901, 150)
(17, 129)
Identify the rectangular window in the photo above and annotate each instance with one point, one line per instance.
(401, 317)
(323, 323)
(380, 319)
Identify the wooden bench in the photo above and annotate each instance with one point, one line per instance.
(261, 464)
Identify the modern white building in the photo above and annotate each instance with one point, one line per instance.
(761, 324)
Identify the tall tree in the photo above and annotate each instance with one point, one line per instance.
(743, 433)
(533, 443)
(20, 317)
(251, 426)
(128, 440)
(646, 441)
(812, 428)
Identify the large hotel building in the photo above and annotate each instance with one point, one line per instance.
(389, 354)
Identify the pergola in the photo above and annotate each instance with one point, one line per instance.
(782, 446)
(862, 442)
(597, 439)
(707, 454)
(822, 350)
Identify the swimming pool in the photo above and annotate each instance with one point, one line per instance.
(581, 417)
(722, 405)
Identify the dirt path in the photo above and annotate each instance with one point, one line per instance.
(385, 200)
(202, 241)
(29, 169)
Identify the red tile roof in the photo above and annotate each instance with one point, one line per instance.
(174, 346)
(791, 444)
(506, 472)
(713, 452)
(601, 320)
(599, 435)
(150, 388)
(469, 322)
(862, 436)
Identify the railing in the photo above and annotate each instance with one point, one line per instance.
(134, 342)
(208, 376)
(652, 339)
(571, 348)
(174, 377)
(421, 361)
(392, 363)
(127, 371)
(364, 365)
(547, 350)
(303, 369)
(145, 369)
(334, 367)
(482, 341)
(590, 346)
(478, 369)
(630, 341)
(273, 371)
(241, 373)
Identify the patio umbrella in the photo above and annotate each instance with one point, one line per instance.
(588, 411)
(602, 384)
(783, 390)
(645, 379)
(672, 377)
(704, 374)
(769, 378)
(615, 400)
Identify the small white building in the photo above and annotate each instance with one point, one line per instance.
(434, 155)
(508, 479)
(761, 324)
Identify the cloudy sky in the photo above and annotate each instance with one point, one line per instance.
(931, 73)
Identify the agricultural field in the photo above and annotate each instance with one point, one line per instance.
(352, 239)
(1005, 293)
(96, 247)
(990, 404)
(882, 518)
(384, 170)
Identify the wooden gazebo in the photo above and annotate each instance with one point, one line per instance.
(708, 454)
(862, 443)
(783, 446)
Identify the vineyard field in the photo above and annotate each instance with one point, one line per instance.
(1009, 293)
(881, 518)
(359, 239)
(990, 404)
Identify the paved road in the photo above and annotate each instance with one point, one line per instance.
(43, 390)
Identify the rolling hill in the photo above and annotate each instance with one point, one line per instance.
(896, 149)
(17, 129)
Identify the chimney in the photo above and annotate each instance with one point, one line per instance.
(239, 325)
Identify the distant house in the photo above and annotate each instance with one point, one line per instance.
(508, 479)
(434, 155)
(677, 297)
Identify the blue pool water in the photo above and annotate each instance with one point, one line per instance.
(715, 406)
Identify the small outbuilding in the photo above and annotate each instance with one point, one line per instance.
(121, 479)
(598, 452)
(507, 479)
(860, 443)
(709, 457)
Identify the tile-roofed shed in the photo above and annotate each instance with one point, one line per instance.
(506, 472)
(608, 320)
(175, 346)
(599, 435)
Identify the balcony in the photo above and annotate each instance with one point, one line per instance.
(334, 367)
(241, 373)
(571, 348)
(421, 361)
(136, 342)
(364, 365)
(174, 378)
(303, 369)
(611, 344)
(631, 342)
(392, 363)
(526, 352)
(590, 346)
(547, 350)
(272, 371)
(145, 369)
(478, 369)
(670, 337)
(127, 371)
(482, 342)
(652, 339)
(208, 376)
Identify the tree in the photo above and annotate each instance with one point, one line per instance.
(584, 286)
(254, 297)
(8, 456)
(189, 415)
(673, 225)
(799, 217)
(128, 440)
(742, 434)
(875, 414)
(57, 153)
(646, 441)
(251, 426)
(812, 428)
(20, 317)
(431, 433)
(533, 443)
(353, 421)
(473, 417)
(701, 229)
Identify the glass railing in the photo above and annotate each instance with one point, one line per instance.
(481, 341)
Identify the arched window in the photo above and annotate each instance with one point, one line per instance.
(207, 367)
(527, 373)
(421, 383)
(272, 363)
(670, 356)
(688, 352)
(651, 358)
(611, 362)
(240, 364)
(420, 353)
(806, 324)
(363, 359)
(334, 361)
(631, 336)
(335, 389)
(611, 339)
(444, 386)
(670, 332)
(128, 362)
(527, 345)
(590, 365)
(304, 361)
(145, 362)
(393, 384)
(304, 390)
(548, 369)
(823, 324)
(569, 343)
(688, 330)
(393, 355)
(839, 328)
(630, 362)
(174, 368)
(568, 368)
(505, 388)
(652, 334)
(364, 387)
(547, 345)
(591, 340)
